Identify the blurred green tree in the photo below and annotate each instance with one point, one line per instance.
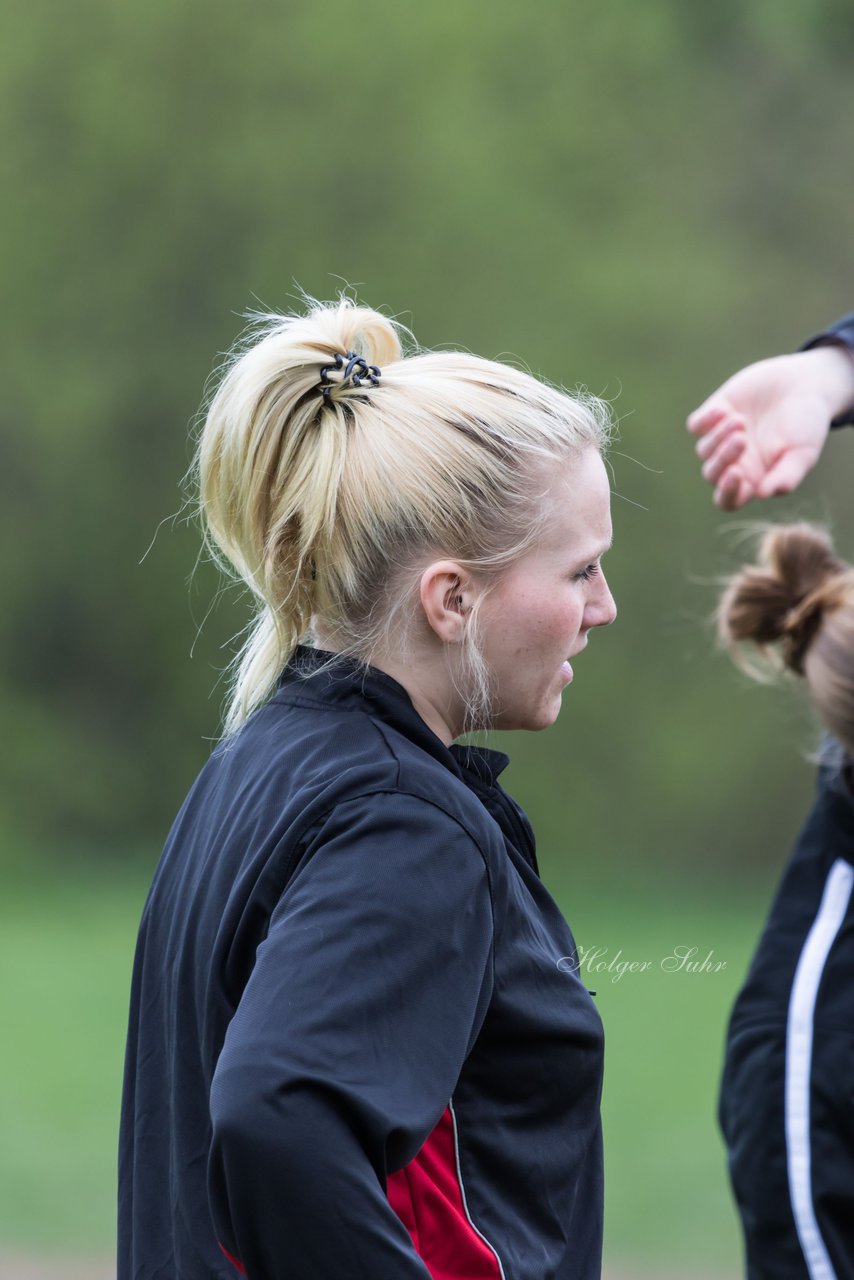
(635, 198)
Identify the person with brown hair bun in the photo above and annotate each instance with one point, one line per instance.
(786, 1105)
(800, 596)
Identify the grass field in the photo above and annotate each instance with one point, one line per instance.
(667, 1195)
(66, 944)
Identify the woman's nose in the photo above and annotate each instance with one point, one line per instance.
(601, 610)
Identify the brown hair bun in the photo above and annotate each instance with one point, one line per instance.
(784, 597)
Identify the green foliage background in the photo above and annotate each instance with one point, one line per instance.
(638, 198)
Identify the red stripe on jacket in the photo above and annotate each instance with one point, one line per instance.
(239, 1265)
(427, 1196)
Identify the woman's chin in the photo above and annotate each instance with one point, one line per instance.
(532, 715)
(546, 716)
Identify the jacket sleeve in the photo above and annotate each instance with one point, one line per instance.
(840, 332)
(365, 999)
(759, 1067)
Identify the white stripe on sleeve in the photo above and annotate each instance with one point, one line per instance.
(799, 1038)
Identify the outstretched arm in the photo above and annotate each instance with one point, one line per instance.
(763, 430)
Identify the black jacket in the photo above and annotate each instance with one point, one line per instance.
(358, 1044)
(786, 1102)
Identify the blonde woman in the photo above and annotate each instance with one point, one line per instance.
(358, 1046)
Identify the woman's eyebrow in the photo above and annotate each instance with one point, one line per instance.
(600, 552)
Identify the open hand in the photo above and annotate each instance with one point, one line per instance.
(764, 429)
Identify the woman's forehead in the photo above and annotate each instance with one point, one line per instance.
(579, 502)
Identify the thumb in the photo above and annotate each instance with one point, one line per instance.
(784, 476)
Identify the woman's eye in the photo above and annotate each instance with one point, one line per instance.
(588, 573)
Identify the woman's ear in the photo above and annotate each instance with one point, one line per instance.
(444, 599)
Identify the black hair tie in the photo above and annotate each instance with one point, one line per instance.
(356, 370)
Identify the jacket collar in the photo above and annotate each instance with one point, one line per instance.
(346, 682)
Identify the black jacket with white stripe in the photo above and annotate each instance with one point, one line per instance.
(787, 1102)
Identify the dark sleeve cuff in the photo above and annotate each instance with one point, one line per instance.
(841, 333)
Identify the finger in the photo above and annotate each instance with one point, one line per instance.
(726, 492)
(729, 452)
(786, 474)
(706, 445)
(733, 491)
(707, 416)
